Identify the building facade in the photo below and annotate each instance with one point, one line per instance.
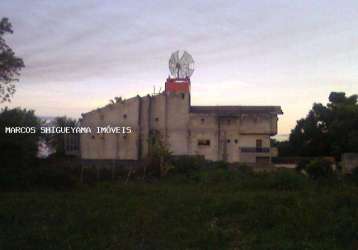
(229, 133)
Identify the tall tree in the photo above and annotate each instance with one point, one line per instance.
(10, 65)
(18, 150)
(328, 130)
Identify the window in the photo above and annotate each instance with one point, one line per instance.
(156, 119)
(203, 142)
(236, 141)
(228, 140)
(258, 143)
(125, 116)
(202, 120)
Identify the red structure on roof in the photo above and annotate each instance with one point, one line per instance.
(177, 85)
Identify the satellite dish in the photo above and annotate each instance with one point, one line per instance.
(181, 65)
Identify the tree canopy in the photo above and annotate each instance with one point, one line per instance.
(18, 149)
(10, 65)
(330, 129)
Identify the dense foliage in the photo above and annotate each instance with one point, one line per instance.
(328, 130)
(18, 150)
(57, 141)
(158, 161)
(10, 65)
(213, 209)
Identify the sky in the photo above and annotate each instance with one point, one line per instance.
(80, 54)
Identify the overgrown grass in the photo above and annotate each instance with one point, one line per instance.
(214, 209)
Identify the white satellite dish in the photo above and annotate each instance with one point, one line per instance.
(181, 64)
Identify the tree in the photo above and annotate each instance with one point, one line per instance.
(328, 130)
(116, 99)
(18, 150)
(159, 155)
(10, 65)
(57, 141)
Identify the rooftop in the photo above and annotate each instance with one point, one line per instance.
(234, 110)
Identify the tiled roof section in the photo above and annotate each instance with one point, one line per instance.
(235, 110)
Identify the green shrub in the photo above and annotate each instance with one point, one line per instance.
(219, 164)
(354, 174)
(186, 163)
(55, 178)
(287, 180)
(18, 150)
(245, 169)
(158, 162)
(319, 168)
(39, 175)
(302, 164)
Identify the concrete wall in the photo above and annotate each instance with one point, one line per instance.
(177, 120)
(169, 113)
(112, 146)
(258, 124)
(203, 127)
(226, 138)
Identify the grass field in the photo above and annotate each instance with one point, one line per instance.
(215, 209)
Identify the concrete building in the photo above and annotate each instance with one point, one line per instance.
(229, 133)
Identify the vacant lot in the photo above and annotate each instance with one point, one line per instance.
(217, 209)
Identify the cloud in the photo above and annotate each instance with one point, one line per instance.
(247, 52)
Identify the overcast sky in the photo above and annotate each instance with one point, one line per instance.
(79, 55)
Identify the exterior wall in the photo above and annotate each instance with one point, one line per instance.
(177, 120)
(226, 138)
(258, 124)
(249, 142)
(229, 137)
(232, 137)
(203, 127)
(167, 113)
(112, 146)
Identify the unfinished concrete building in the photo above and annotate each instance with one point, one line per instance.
(229, 133)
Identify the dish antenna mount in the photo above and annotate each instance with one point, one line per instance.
(181, 65)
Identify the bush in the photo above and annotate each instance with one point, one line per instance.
(319, 168)
(245, 169)
(42, 173)
(18, 150)
(302, 164)
(186, 163)
(287, 180)
(55, 178)
(219, 164)
(354, 174)
(158, 162)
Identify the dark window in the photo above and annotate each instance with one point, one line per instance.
(124, 116)
(236, 141)
(258, 143)
(203, 142)
(156, 119)
(202, 120)
(228, 141)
